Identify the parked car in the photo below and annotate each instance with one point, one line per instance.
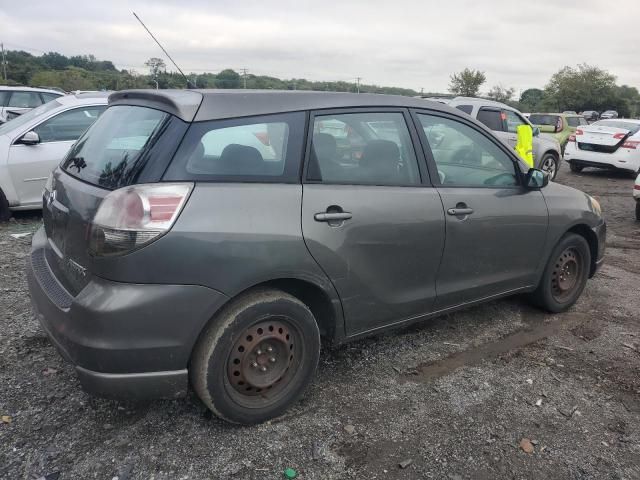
(559, 126)
(609, 144)
(636, 196)
(609, 114)
(591, 116)
(34, 143)
(504, 120)
(161, 262)
(14, 101)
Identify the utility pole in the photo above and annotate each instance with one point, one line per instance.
(358, 84)
(244, 76)
(4, 62)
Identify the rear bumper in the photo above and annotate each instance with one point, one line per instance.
(126, 341)
(619, 160)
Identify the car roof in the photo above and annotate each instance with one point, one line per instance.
(559, 114)
(29, 89)
(202, 105)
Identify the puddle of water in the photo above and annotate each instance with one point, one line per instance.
(473, 356)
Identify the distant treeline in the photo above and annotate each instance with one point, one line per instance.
(86, 72)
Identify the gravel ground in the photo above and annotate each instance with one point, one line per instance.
(455, 396)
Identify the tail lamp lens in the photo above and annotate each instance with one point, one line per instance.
(132, 217)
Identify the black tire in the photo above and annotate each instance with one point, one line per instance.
(5, 213)
(575, 168)
(565, 275)
(255, 359)
(550, 165)
(638, 210)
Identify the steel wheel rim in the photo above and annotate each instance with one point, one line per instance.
(566, 274)
(263, 361)
(549, 166)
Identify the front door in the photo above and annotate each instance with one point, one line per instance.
(30, 165)
(369, 219)
(495, 227)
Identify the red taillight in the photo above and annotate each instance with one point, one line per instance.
(636, 187)
(572, 138)
(619, 136)
(263, 137)
(132, 217)
(631, 144)
(579, 132)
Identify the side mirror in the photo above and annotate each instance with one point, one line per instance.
(29, 138)
(536, 179)
(536, 131)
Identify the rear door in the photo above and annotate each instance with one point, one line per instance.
(495, 228)
(30, 165)
(369, 216)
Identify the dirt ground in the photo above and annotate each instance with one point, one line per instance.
(454, 396)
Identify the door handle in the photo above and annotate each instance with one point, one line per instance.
(332, 216)
(460, 211)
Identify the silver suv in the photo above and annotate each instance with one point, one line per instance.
(211, 238)
(504, 120)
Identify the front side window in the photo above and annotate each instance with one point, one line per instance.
(494, 119)
(362, 148)
(513, 121)
(266, 148)
(109, 152)
(464, 156)
(24, 100)
(69, 125)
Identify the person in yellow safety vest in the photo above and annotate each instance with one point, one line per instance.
(524, 145)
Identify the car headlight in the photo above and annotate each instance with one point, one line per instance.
(595, 205)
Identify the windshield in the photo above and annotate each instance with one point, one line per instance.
(27, 117)
(115, 145)
(632, 127)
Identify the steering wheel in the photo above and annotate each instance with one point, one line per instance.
(495, 179)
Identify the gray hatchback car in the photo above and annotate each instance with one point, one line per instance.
(211, 238)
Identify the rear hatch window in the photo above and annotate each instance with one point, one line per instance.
(114, 151)
(538, 119)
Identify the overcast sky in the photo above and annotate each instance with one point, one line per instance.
(414, 44)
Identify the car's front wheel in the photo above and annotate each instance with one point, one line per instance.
(550, 165)
(565, 274)
(256, 357)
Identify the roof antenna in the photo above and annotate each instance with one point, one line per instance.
(189, 84)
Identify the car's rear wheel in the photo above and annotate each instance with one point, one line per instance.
(550, 165)
(5, 213)
(575, 168)
(565, 274)
(257, 357)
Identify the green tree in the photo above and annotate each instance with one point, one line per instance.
(156, 65)
(467, 82)
(500, 93)
(228, 79)
(531, 100)
(582, 88)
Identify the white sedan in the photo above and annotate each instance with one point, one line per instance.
(612, 144)
(33, 144)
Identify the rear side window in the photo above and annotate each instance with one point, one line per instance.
(112, 148)
(362, 148)
(24, 100)
(492, 119)
(465, 108)
(47, 97)
(255, 149)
